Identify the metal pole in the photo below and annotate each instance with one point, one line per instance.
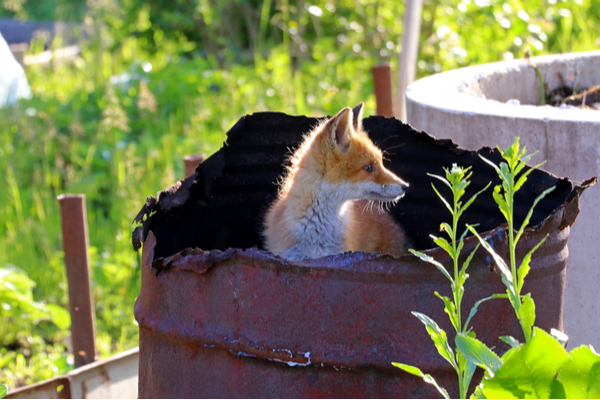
(407, 59)
(382, 82)
(191, 162)
(75, 244)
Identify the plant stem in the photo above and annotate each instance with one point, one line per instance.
(456, 288)
(512, 250)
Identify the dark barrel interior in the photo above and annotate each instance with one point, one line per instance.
(222, 205)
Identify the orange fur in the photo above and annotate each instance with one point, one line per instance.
(323, 204)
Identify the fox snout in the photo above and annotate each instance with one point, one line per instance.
(393, 186)
(394, 190)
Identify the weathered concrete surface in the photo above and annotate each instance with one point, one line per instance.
(470, 106)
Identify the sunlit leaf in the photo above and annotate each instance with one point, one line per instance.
(478, 353)
(527, 314)
(426, 377)
(448, 206)
(439, 338)
(580, 376)
(530, 370)
(499, 260)
(450, 309)
(530, 213)
(59, 316)
(430, 260)
(514, 343)
(472, 199)
(474, 310)
(443, 243)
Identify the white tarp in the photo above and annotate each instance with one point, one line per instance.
(13, 83)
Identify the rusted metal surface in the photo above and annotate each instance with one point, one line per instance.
(382, 83)
(57, 388)
(230, 322)
(75, 244)
(114, 378)
(191, 162)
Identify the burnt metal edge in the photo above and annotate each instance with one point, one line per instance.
(562, 217)
(179, 193)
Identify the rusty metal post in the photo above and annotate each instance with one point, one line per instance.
(191, 162)
(75, 244)
(382, 83)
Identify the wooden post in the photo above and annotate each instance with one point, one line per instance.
(81, 305)
(191, 162)
(382, 83)
(407, 59)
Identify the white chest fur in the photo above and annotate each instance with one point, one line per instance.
(320, 229)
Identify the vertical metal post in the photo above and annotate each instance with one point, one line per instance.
(75, 244)
(191, 162)
(407, 59)
(382, 82)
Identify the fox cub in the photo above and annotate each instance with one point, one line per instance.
(325, 202)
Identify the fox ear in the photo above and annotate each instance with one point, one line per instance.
(357, 116)
(339, 129)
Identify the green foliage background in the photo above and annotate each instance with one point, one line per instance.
(157, 80)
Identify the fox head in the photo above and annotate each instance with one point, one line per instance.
(351, 163)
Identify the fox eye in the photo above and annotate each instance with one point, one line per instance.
(369, 168)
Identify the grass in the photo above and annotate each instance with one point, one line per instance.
(116, 123)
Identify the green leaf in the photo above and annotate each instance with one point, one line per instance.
(529, 371)
(505, 174)
(450, 309)
(478, 393)
(472, 199)
(430, 260)
(444, 226)
(478, 353)
(499, 261)
(524, 267)
(594, 382)
(527, 314)
(439, 338)
(491, 163)
(579, 376)
(442, 198)
(468, 369)
(474, 310)
(443, 243)
(426, 377)
(441, 178)
(3, 390)
(514, 343)
(523, 178)
(502, 204)
(59, 316)
(467, 262)
(530, 213)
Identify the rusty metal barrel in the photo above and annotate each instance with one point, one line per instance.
(220, 317)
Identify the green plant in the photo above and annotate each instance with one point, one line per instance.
(18, 313)
(3, 390)
(457, 179)
(538, 368)
(541, 367)
(18, 309)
